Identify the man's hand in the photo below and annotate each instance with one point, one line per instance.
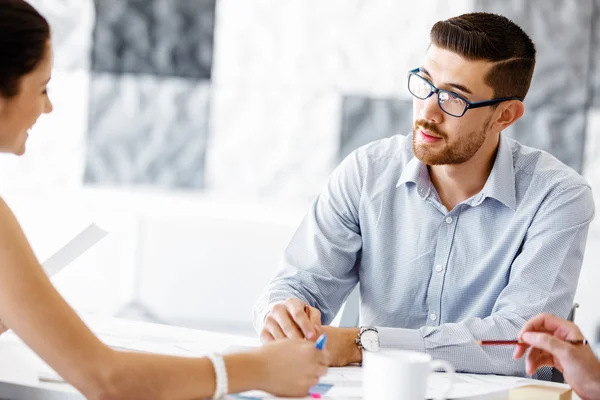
(546, 337)
(291, 319)
(341, 346)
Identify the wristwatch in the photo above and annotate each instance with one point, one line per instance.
(368, 339)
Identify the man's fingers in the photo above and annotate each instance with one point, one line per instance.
(315, 317)
(289, 328)
(295, 319)
(266, 337)
(279, 316)
(298, 312)
(274, 329)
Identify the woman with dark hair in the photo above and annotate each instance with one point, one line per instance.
(35, 311)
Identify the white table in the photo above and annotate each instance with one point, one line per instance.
(130, 335)
(118, 333)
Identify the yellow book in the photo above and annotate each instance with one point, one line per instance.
(541, 392)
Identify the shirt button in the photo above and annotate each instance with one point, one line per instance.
(439, 268)
(432, 316)
(448, 220)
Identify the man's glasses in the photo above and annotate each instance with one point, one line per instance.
(451, 103)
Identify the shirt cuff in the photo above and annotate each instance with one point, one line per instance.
(399, 338)
(259, 321)
(267, 304)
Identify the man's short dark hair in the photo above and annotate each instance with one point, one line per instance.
(494, 38)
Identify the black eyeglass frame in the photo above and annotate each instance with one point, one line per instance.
(468, 105)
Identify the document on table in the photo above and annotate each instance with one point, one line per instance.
(81, 243)
(16, 365)
(347, 385)
(140, 345)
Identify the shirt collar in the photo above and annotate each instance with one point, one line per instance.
(416, 172)
(501, 182)
(500, 185)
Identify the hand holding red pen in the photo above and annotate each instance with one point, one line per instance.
(546, 337)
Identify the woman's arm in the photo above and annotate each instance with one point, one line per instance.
(31, 306)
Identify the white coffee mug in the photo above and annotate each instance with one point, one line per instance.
(399, 374)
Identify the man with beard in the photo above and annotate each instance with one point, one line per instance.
(456, 233)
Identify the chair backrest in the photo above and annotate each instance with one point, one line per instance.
(571, 316)
(351, 309)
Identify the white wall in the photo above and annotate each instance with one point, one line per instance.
(192, 260)
(588, 293)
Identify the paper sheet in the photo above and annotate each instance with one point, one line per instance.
(347, 385)
(167, 348)
(238, 349)
(72, 250)
(471, 385)
(16, 366)
(132, 345)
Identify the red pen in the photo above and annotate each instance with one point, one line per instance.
(516, 342)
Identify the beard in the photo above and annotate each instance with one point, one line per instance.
(446, 151)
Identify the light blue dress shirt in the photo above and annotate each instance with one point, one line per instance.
(433, 280)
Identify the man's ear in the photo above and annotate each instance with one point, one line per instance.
(509, 113)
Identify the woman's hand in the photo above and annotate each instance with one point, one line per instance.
(290, 367)
(546, 338)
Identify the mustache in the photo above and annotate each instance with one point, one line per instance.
(428, 126)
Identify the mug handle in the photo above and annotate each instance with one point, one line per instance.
(449, 369)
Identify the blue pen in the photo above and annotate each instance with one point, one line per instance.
(321, 342)
(319, 389)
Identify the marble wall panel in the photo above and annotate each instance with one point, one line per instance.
(147, 131)
(156, 37)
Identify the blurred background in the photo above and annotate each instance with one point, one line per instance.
(198, 132)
